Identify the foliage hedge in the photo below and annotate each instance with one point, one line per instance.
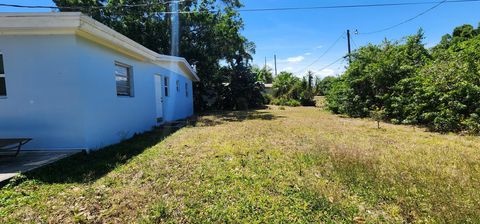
(286, 102)
(290, 90)
(410, 84)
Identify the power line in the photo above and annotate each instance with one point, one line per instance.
(328, 66)
(324, 53)
(92, 7)
(354, 44)
(354, 6)
(406, 21)
(242, 10)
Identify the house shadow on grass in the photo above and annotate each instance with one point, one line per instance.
(220, 117)
(85, 168)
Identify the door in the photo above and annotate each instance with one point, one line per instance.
(159, 97)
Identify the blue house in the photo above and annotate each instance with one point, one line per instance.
(70, 82)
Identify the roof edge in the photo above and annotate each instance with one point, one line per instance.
(182, 61)
(25, 23)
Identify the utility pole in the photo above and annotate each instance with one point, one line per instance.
(349, 48)
(265, 63)
(275, 59)
(175, 29)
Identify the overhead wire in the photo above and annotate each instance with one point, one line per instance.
(437, 4)
(405, 21)
(242, 10)
(160, 3)
(354, 44)
(323, 54)
(334, 62)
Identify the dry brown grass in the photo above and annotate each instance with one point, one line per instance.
(291, 165)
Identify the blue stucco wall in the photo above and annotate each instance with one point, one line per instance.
(44, 92)
(62, 92)
(178, 105)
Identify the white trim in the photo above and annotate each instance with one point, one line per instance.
(56, 23)
(181, 61)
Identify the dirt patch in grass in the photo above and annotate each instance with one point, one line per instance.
(273, 165)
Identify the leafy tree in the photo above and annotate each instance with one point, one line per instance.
(440, 90)
(244, 91)
(374, 73)
(322, 86)
(286, 85)
(464, 32)
(264, 74)
(378, 115)
(292, 90)
(449, 89)
(208, 35)
(459, 34)
(306, 92)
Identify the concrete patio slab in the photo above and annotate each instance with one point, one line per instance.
(29, 160)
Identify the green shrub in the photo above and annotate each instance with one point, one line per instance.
(293, 103)
(439, 88)
(286, 102)
(267, 98)
(292, 91)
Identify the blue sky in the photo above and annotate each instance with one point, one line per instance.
(298, 38)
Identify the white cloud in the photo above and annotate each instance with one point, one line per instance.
(288, 68)
(295, 59)
(326, 72)
(308, 53)
(319, 46)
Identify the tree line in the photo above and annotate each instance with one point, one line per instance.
(210, 39)
(407, 83)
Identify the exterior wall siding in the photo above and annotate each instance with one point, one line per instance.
(178, 105)
(44, 92)
(62, 93)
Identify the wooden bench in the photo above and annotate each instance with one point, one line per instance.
(10, 144)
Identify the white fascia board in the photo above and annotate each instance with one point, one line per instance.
(71, 23)
(99, 30)
(182, 62)
(38, 23)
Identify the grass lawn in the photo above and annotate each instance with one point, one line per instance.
(292, 165)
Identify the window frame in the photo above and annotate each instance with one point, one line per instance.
(166, 86)
(129, 76)
(2, 75)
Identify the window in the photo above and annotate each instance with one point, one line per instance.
(123, 77)
(166, 80)
(186, 89)
(3, 87)
(178, 86)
